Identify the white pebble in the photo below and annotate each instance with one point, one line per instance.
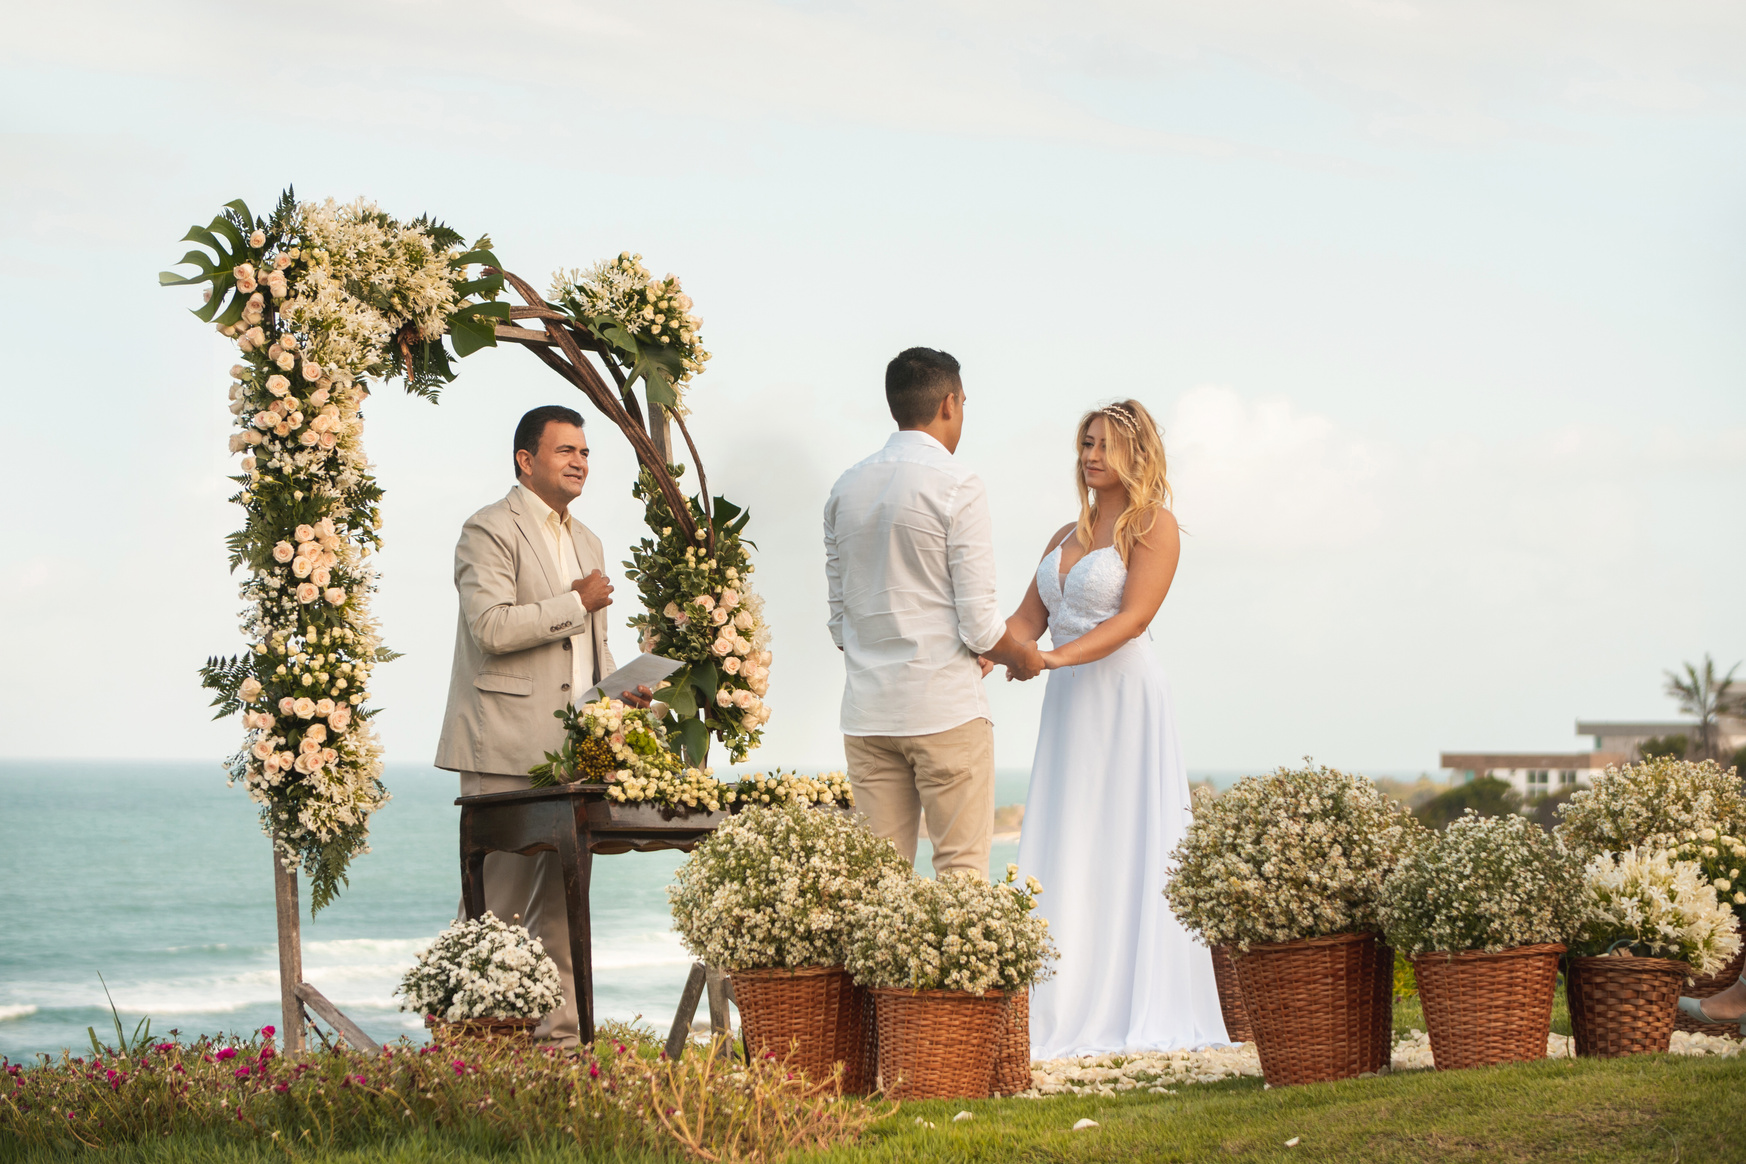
(1293, 1142)
(1083, 1124)
(962, 1116)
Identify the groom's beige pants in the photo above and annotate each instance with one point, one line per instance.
(531, 888)
(948, 775)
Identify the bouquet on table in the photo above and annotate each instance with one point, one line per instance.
(626, 748)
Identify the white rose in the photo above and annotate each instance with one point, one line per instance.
(287, 705)
(315, 734)
(304, 707)
(250, 690)
(286, 361)
(730, 598)
(284, 552)
(252, 437)
(301, 567)
(238, 442)
(744, 699)
(342, 715)
(724, 698)
(262, 749)
(280, 263)
(320, 576)
(744, 620)
(719, 617)
(278, 385)
(308, 592)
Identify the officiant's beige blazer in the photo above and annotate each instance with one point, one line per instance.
(512, 645)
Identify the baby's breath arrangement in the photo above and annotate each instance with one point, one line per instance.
(625, 748)
(483, 968)
(1485, 883)
(1655, 802)
(1655, 907)
(1299, 853)
(1722, 858)
(780, 787)
(956, 932)
(774, 887)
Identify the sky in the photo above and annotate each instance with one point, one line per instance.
(1440, 305)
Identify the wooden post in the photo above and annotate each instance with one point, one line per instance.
(290, 955)
(660, 431)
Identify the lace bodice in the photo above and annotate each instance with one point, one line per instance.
(1093, 592)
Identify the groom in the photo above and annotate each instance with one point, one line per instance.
(532, 637)
(909, 558)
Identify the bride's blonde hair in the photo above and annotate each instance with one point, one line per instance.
(1134, 452)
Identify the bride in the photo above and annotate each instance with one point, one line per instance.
(1109, 794)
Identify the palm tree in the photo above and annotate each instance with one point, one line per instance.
(1702, 695)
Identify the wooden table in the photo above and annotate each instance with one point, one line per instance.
(575, 821)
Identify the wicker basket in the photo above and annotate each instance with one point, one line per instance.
(816, 1010)
(520, 1029)
(1012, 1059)
(937, 1044)
(1488, 1008)
(1328, 1010)
(1622, 1006)
(1231, 997)
(1704, 987)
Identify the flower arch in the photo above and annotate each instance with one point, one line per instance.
(324, 300)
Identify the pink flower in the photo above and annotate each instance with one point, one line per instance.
(226, 1053)
(242, 1072)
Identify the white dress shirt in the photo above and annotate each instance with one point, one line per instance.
(561, 550)
(909, 556)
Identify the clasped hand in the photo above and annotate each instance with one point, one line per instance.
(1032, 664)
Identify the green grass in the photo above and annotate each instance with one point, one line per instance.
(1647, 1108)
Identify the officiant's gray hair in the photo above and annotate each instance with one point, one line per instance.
(916, 381)
(532, 427)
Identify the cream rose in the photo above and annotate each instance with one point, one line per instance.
(705, 601)
(304, 533)
(238, 443)
(308, 592)
(320, 576)
(256, 336)
(278, 385)
(301, 567)
(284, 552)
(722, 647)
(324, 707)
(308, 438)
(305, 707)
(281, 262)
(311, 370)
(730, 598)
(327, 440)
(744, 620)
(262, 749)
(316, 732)
(724, 698)
(287, 706)
(250, 690)
(744, 699)
(335, 597)
(342, 715)
(731, 665)
(258, 239)
(265, 419)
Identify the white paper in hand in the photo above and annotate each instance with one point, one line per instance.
(642, 671)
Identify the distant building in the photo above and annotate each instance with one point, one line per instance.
(1615, 742)
(1532, 773)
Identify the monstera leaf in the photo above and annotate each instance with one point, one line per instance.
(225, 306)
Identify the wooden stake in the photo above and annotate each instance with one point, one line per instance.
(290, 955)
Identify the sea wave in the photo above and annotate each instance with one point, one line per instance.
(15, 1012)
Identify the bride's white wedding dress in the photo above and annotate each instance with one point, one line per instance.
(1108, 802)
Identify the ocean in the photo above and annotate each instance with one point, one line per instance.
(154, 878)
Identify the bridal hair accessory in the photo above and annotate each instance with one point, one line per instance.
(1121, 416)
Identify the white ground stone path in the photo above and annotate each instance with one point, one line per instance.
(1162, 1072)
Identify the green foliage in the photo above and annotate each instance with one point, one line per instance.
(1487, 796)
(1672, 747)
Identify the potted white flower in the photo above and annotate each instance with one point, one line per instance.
(946, 960)
(1722, 857)
(482, 977)
(1482, 909)
(1648, 922)
(1286, 870)
(768, 898)
(1656, 802)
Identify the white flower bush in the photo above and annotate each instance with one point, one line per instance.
(957, 932)
(1643, 901)
(774, 886)
(647, 321)
(1722, 857)
(1295, 854)
(1485, 883)
(483, 968)
(319, 299)
(1655, 802)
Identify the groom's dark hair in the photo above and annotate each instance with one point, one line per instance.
(533, 427)
(915, 383)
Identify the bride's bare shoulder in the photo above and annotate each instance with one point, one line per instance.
(1057, 538)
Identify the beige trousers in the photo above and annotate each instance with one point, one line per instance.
(949, 776)
(529, 891)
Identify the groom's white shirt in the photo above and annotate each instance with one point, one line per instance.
(909, 556)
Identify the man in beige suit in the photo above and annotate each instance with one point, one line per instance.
(532, 637)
